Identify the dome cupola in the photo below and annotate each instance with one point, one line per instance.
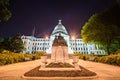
(59, 29)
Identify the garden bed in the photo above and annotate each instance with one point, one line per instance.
(59, 65)
(52, 73)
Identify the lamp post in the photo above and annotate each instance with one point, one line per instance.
(75, 46)
(46, 38)
(73, 39)
(44, 45)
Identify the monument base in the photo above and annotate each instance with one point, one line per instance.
(59, 54)
(59, 69)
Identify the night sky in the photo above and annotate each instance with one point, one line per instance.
(44, 15)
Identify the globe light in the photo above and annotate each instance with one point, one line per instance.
(47, 37)
(73, 37)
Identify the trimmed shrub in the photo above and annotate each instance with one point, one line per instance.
(118, 51)
(7, 57)
(113, 59)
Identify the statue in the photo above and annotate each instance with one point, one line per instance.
(59, 49)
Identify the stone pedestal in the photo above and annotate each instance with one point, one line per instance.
(75, 62)
(43, 61)
(59, 54)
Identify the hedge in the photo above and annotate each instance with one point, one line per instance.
(110, 59)
(10, 57)
(113, 59)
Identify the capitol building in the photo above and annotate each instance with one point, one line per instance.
(34, 44)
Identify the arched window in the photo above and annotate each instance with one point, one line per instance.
(37, 48)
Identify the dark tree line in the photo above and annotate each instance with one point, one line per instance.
(14, 44)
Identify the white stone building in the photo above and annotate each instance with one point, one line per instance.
(34, 44)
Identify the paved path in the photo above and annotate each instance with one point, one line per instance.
(104, 71)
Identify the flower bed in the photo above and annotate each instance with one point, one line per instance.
(60, 64)
(52, 73)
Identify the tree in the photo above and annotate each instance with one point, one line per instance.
(5, 44)
(118, 1)
(96, 31)
(1, 40)
(103, 28)
(5, 14)
(13, 44)
(17, 44)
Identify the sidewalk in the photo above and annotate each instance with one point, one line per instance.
(15, 71)
(104, 71)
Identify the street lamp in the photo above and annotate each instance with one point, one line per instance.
(73, 39)
(46, 38)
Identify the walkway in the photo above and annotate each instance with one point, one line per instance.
(104, 71)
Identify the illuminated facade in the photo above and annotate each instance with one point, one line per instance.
(34, 44)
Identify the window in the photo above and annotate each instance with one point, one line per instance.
(38, 48)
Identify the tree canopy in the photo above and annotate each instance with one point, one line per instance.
(103, 28)
(5, 14)
(13, 44)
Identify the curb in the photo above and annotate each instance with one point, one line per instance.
(55, 78)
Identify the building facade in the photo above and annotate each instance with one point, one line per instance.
(33, 44)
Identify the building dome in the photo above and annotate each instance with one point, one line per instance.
(59, 29)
